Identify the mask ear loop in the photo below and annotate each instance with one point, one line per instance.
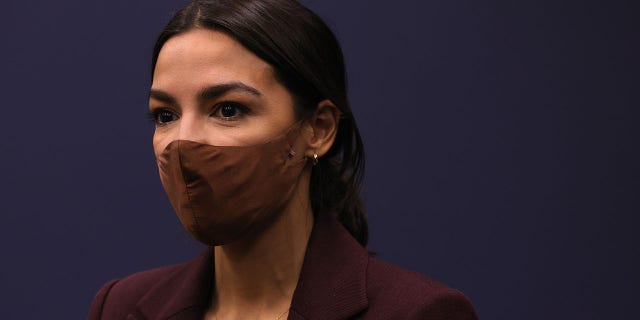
(294, 127)
(314, 159)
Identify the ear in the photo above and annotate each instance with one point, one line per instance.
(322, 128)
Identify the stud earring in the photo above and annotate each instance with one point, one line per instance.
(314, 161)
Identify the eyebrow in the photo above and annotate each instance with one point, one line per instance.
(218, 90)
(161, 96)
(207, 93)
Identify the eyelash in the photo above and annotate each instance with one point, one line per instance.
(243, 110)
(240, 108)
(152, 116)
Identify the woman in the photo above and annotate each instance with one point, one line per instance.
(261, 158)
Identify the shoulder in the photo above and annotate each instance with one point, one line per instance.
(406, 294)
(121, 295)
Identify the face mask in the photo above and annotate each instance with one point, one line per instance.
(222, 193)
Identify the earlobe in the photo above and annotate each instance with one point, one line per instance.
(324, 127)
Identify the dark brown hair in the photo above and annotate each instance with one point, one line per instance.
(308, 61)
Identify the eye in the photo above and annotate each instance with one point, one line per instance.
(230, 110)
(162, 116)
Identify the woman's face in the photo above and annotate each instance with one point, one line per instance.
(208, 88)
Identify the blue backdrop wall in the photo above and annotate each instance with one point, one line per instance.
(502, 144)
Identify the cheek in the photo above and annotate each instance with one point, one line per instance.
(159, 143)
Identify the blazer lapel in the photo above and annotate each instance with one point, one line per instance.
(332, 282)
(184, 294)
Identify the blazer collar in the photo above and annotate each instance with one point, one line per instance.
(332, 282)
(183, 294)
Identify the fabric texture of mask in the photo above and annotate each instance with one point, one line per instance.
(222, 193)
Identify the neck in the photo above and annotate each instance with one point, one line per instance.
(255, 278)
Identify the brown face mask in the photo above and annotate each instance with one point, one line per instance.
(222, 193)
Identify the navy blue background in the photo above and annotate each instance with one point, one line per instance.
(501, 136)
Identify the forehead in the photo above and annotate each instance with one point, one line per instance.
(201, 56)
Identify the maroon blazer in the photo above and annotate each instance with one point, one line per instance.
(339, 280)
